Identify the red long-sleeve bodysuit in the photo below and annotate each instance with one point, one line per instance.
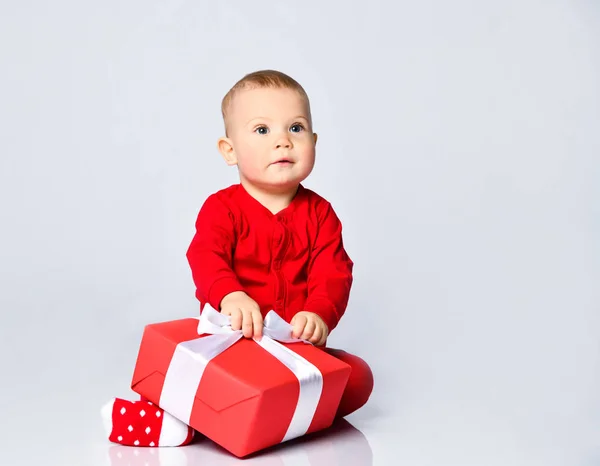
(288, 262)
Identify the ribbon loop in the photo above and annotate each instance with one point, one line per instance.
(278, 329)
(214, 322)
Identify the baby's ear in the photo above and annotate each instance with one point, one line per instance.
(225, 146)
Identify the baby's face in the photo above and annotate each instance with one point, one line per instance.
(272, 137)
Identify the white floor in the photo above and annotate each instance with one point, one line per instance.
(431, 431)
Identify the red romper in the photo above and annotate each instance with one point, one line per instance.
(288, 262)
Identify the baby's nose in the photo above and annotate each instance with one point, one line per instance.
(283, 143)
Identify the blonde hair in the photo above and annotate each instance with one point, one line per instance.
(262, 79)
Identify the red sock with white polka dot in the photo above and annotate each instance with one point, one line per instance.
(143, 424)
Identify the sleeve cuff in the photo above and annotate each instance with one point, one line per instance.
(221, 288)
(325, 310)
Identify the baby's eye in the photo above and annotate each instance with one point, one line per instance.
(261, 130)
(296, 128)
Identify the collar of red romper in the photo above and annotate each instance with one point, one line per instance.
(248, 202)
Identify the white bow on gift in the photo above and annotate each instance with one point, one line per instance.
(191, 358)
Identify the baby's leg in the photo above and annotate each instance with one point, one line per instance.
(360, 384)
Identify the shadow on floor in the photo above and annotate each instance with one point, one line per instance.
(341, 444)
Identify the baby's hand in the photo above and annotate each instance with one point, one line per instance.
(309, 326)
(245, 313)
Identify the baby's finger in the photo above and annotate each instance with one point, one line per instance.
(299, 324)
(257, 320)
(236, 318)
(247, 327)
(309, 329)
(324, 335)
(322, 341)
(316, 336)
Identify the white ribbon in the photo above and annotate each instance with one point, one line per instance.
(191, 358)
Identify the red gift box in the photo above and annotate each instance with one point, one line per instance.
(246, 397)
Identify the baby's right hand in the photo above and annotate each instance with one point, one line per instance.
(245, 313)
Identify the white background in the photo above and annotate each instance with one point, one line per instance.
(459, 142)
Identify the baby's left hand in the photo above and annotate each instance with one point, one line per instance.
(309, 326)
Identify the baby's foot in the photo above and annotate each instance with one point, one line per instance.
(143, 424)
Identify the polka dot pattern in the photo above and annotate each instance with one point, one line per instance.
(141, 423)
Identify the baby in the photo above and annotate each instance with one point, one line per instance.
(269, 243)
